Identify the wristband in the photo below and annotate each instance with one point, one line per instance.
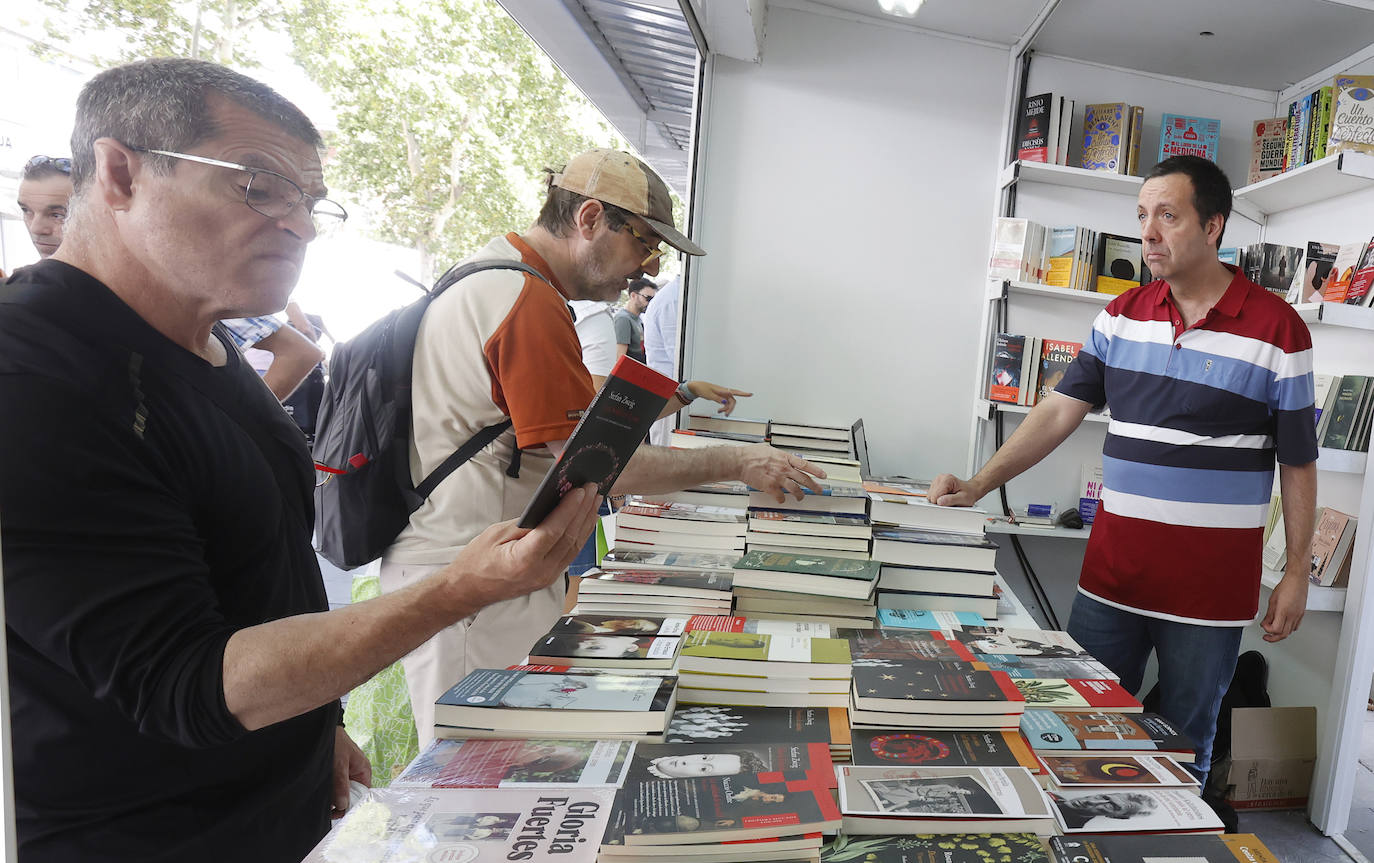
(684, 394)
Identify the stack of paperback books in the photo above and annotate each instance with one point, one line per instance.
(655, 592)
(833, 590)
(808, 440)
(934, 558)
(714, 726)
(797, 532)
(932, 800)
(608, 641)
(557, 702)
(762, 670)
(935, 570)
(1052, 733)
(923, 680)
(645, 524)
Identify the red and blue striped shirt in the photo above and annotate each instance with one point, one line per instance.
(1198, 417)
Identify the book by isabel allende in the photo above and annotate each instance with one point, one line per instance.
(609, 432)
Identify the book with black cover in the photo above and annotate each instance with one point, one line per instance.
(714, 724)
(519, 701)
(607, 436)
(773, 762)
(890, 748)
(1194, 848)
(933, 687)
(724, 808)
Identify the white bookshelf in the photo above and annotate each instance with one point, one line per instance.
(1327, 178)
(1318, 598)
(1069, 177)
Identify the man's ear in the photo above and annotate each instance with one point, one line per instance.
(116, 168)
(588, 215)
(1215, 226)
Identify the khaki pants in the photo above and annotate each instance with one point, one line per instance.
(495, 637)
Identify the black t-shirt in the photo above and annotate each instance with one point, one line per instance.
(142, 523)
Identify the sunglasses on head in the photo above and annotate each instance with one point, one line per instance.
(62, 164)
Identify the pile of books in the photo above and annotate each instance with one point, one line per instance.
(653, 590)
(798, 532)
(647, 524)
(759, 669)
(808, 441)
(833, 590)
(625, 642)
(933, 558)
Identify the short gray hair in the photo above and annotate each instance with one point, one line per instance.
(163, 104)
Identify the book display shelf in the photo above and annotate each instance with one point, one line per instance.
(1320, 664)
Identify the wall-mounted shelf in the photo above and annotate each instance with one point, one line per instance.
(1337, 174)
(1342, 315)
(1318, 598)
(1074, 178)
(1342, 460)
(987, 409)
(1003, 527)
(998, 290)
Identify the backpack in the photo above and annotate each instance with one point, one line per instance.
(362, 433)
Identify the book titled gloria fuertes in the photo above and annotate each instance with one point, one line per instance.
(609, 432)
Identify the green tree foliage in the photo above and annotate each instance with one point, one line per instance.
(446, 115)
(446, 112)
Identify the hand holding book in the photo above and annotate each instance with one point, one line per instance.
(505, 561)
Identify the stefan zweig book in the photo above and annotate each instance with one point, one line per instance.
(608, 434)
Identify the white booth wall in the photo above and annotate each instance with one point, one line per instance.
(844, 195)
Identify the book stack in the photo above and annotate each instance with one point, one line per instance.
(925, 691)
(731, 494)
(522, 702)
(607, 641)
(700, 439)
(794, 726)
(762, 670)
(648, 524)
(938, 800)
(1059, 733)
(727, 425)
(808, 440)
(471, 824)
(796, 532)
(933, 558)
(925, 570)
(1073, 772)
(654, 592)
(1332, 540)
(786, 586)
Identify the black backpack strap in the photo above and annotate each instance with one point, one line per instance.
(479, 441)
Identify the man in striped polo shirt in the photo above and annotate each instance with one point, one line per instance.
(1209, 379)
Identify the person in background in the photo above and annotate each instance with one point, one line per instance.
(660, 347)
(629, 330)
(285, 356)
(501, 345)
(44, 190)
(1209, 380)
(174, 670)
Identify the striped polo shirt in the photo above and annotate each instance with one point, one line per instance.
(1198, 417)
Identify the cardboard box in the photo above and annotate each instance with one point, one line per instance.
(1273, 753)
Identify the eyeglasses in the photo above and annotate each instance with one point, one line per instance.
(655, 249)
(270, 194)
(62, 164)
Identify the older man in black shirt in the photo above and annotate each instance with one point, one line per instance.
(174, 672)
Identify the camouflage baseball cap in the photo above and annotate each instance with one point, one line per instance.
(621, 179)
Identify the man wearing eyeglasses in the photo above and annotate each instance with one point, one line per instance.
(501, 345)
(43, 193)
(174, 671)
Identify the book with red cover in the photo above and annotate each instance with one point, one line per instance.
(1055, 359)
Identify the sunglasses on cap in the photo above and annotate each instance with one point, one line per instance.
(62, 164)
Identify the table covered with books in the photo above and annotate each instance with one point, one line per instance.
(842, 678)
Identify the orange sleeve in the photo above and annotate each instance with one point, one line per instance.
(537, 374)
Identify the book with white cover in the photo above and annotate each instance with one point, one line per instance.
(1138, 810)
(471, 825)
(942, 800)
(518, 764)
